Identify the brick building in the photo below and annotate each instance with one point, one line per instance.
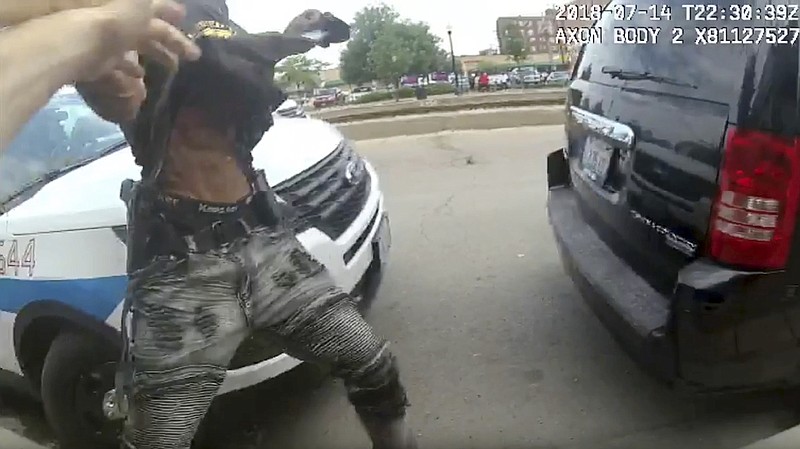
(571, 52)
(579, 23)
(537, 32)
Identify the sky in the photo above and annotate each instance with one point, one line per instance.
(473, 27)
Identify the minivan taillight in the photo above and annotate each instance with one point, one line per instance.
(755, 212)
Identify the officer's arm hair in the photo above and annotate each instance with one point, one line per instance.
(39, 57)
(115, 97)
(116, 102)
(13, 12)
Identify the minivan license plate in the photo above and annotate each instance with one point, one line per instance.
(596, 160)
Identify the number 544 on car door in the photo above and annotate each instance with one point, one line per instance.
(17, 257)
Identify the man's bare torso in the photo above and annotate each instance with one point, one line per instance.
(200, 161)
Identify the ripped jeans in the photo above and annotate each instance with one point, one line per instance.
(190, 314)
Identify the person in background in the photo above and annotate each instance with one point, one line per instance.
(483, 82)
(37, 59)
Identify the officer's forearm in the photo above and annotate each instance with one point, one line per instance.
(17, 11)
(115, 97)
(37, 58)
(118, 104)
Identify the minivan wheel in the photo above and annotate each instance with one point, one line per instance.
(77, 373)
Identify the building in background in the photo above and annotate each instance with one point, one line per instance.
(538, 32)
(579, 22)
(571, 51)
(472, 63)
(330, 75)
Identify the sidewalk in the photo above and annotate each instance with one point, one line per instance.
(788, 439)
(10, 440)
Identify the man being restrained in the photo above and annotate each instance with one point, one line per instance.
(211, 257)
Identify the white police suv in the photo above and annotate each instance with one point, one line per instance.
(62, 250)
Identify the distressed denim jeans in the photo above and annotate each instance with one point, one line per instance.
(189, 315)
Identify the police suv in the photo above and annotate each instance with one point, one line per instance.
(63, 254)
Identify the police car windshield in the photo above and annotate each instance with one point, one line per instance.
(63, 134)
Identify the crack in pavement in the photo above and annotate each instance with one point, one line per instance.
(441, 142)
(437, 210)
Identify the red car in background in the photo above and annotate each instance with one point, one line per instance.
(327, 97)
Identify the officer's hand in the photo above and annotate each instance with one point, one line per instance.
(145, 26)
(13, 12)
(141, 25)
(117, 95)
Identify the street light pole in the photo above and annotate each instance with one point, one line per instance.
(453, 59)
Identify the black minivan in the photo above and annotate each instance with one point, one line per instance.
(675, 201)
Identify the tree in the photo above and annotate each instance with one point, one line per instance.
(377, 33)
(392, 55)
(369, 23)
(404, 48)
(423, 44)
(300, 71)
(444, 63)
(354, 64)
(514, 44)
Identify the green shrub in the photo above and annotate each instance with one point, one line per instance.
(440, 89)
(384, 95)
(334, 83)
(405, 92)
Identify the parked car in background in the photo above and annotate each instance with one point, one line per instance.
(410, 81)
(291, 109)
(530, 77)
(557, 77)
(63, 251)
(675, 201)
(441, 78)
(499, 81)
(327, 97)
(359, 92)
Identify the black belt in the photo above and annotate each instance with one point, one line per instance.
(225, 231)
(178, 233)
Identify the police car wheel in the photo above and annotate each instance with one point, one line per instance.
(77, 373)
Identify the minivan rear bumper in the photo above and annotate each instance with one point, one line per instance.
(637, 315)
(746, 342)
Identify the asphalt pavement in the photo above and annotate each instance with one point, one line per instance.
(496, 347)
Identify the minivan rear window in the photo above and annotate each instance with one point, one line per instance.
(671, 47)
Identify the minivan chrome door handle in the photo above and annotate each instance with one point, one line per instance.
(619, 133)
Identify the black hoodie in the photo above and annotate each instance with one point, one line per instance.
(233, 80)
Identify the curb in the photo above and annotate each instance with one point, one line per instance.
(788, 439)
(482, 119)
(440, 105)
(11, 440)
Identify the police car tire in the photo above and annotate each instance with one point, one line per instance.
(71, 354)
